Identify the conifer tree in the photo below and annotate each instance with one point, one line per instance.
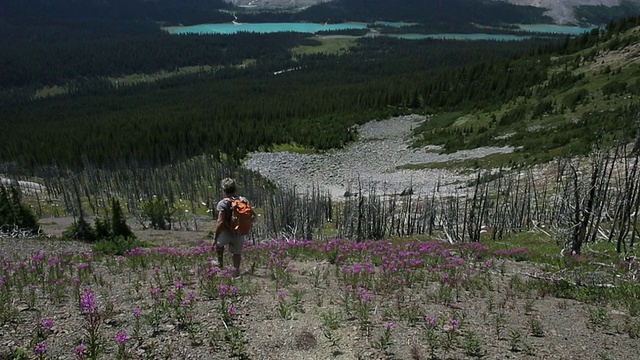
(119, 225)
(13, 212)
(5, 207)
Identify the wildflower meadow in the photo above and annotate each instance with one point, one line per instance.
(324, 299)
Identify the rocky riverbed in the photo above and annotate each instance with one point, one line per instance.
(371, 161)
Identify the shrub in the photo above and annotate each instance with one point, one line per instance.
(513, 116)
(80, 230)
(574, 98)
(13, 212)
(159, 213)
(544, 107)
(117, 245)
(119, 225)
(105, 229)
(614, 87)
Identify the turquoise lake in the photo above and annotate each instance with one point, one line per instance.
(233, 28)
(262, 28)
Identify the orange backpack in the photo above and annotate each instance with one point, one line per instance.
(241, 215)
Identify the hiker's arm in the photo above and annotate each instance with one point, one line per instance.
(219, 224)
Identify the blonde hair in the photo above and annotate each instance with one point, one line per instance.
(228, 185)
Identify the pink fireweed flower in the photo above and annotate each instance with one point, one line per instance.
(364, 295)
(454, 324)
(137, 312)
(80, 351)
(226, 290)
(53, 262)
(40, 348)
(37, 257)
(282, 294)
(231, 310)
(121, 337)
(179, 285)
(87, 301)
(170, 296)
(388, 325)
(155, 294)
(47, 324)
(431, 321)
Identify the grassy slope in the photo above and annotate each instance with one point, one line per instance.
(621, 65)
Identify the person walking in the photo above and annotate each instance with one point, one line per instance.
(231, 224)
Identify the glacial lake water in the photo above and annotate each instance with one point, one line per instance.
(233, 28)
(263, 28)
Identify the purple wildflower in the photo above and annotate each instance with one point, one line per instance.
(80, 351)
(364, 295)
(170, 296)
(121, 337)
(231, 310)
(87, 302)
(47, 324)
(431, 321)
(40, 348)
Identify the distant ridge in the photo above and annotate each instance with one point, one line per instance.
(563, 11)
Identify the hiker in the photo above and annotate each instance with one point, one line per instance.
(234, 222)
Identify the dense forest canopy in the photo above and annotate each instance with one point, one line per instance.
(238, 98)
(31, 12)
(315, 105)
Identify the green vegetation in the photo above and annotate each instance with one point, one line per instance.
(336, 46)
(14, 213)
(159, 213)
(110, 235)
(543, 98)
(585, 101)
(492, 161)
(314, 105)
(292, 147)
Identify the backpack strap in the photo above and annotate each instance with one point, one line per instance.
(228, 211)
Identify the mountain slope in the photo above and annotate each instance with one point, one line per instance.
(563, 11)
(560, 11)
(589, 98)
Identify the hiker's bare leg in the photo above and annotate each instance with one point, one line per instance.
(220, 251)
(236, 262)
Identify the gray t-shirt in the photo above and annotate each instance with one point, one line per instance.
(227, 237)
